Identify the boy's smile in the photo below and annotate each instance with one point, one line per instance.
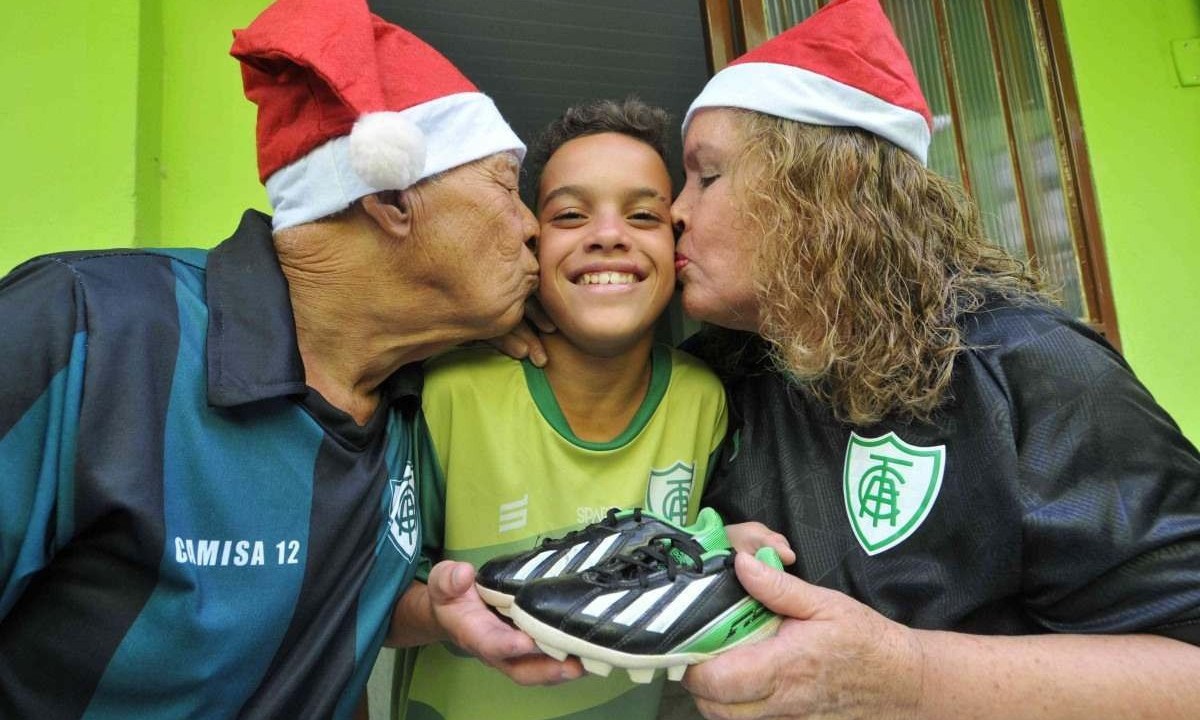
(610, 276)
(607, 277)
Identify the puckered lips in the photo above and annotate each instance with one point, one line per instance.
(606, 275)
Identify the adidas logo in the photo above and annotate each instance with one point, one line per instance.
(597, 552)
(637, 610)
(620, 531)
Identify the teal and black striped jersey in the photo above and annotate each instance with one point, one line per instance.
(186, 529)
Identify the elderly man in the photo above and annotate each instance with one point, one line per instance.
(206, 458)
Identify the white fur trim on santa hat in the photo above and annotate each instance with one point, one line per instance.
(804, 96)
(457, 129)
(387, 150)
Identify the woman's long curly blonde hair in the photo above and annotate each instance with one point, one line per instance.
(866, 264)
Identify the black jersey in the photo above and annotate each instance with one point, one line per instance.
(1050, 493)
(185, 529)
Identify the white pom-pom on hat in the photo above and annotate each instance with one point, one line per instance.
(387, 150)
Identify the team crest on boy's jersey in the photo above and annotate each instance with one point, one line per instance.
(668, 491)
(890, 487)
(402, 514)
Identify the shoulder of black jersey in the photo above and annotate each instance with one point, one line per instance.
(1007, 326)
(730, 354)
(1044, 358)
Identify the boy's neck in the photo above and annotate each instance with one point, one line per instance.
(598, 395)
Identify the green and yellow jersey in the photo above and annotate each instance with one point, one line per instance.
(507, 471)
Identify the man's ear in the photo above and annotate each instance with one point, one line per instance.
(390, 210)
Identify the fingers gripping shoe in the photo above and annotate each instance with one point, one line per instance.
(670, 604)
(499, 579)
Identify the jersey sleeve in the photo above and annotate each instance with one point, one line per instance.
(42, 351)
(432, 491)
(1111, 494)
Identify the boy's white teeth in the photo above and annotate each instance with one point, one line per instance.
(606, 278)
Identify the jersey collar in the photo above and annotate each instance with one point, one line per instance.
(252, 351)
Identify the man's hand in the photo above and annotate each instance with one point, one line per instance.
(523, 341)
(833, 657)
(474, 627)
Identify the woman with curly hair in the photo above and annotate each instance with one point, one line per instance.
(868, 319)
(992, 517)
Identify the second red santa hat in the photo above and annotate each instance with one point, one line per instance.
(843, 66)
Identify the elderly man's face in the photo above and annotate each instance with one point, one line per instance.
(475, 228)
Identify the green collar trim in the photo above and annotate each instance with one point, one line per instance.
(547, 403)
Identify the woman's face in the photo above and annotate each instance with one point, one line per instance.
(716, 248)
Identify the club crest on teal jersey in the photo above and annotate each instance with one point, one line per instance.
(668, 491)
(402, 514)
(889, 486)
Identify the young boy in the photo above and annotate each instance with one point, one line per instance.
(613, 420)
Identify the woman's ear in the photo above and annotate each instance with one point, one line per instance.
(391, 211)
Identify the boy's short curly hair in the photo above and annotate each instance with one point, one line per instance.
(631, 116)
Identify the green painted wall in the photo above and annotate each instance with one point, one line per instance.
(131, 130)
(1143, 137)
(68, 128)
(209, 169)
(148, 207)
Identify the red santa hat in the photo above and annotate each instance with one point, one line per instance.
(843, 66)
(350, 104)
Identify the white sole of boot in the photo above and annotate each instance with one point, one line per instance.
(496, 599)
(600, 660)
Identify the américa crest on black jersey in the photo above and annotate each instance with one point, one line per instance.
(674, 602)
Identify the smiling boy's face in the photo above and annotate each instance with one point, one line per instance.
(606, 249)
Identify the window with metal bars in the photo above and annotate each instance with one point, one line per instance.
(1006, 123)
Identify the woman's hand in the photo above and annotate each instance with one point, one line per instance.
(748, 537)
(832, 658)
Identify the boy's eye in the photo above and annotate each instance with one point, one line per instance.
(645, 216)
(567, 216)
(706, 180)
